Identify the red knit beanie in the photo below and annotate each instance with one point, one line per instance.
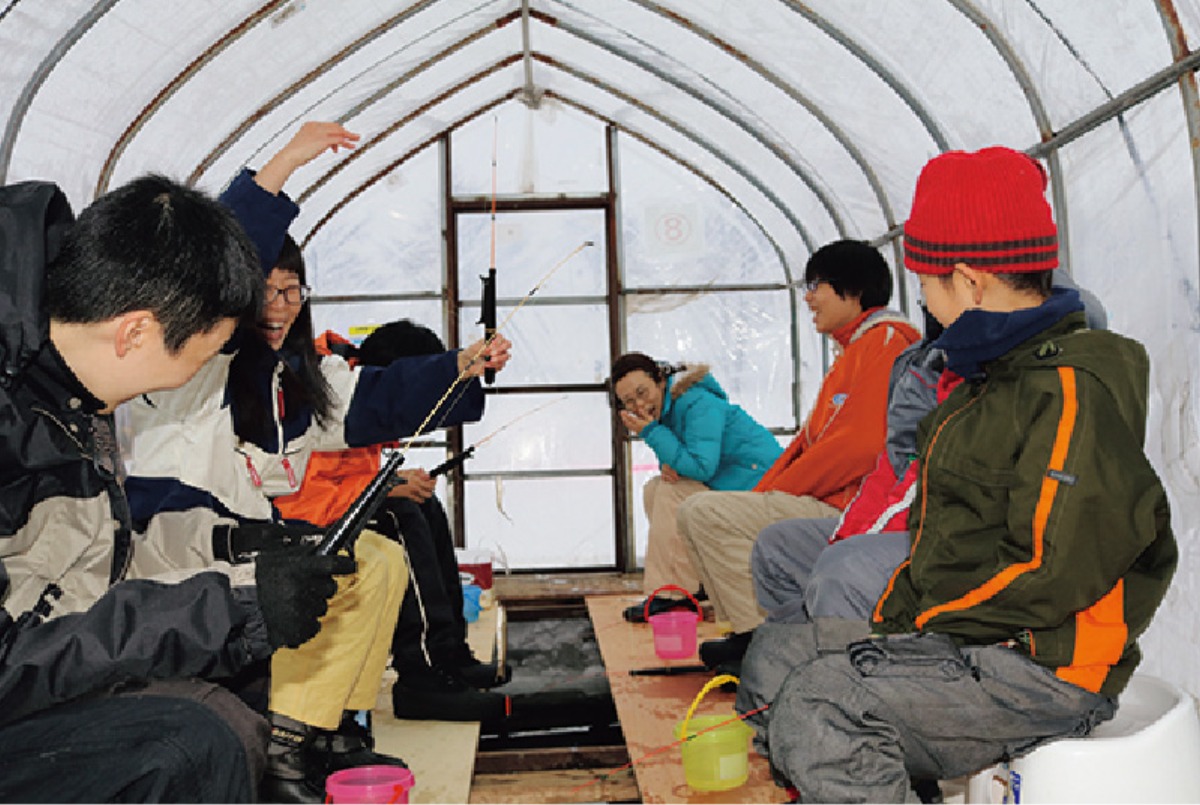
(987, 209)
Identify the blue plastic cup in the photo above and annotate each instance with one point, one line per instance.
(471, 594)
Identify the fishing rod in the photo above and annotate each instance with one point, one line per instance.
(487, 308)
(351, 524)
(458, 460)
(347, 528)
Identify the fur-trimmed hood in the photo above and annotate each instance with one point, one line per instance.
(694, 374)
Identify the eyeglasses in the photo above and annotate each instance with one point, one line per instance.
(811, 285)
(640, 395)
(293, 294)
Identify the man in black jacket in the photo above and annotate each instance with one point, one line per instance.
(102, 695)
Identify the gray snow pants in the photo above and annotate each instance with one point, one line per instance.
(799, 576)
(854, 726)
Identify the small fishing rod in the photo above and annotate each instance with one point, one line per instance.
(458, 460)
(351, 524)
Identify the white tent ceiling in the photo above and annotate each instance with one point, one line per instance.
(814, 118)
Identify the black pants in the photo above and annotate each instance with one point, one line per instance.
(431, 629)
(177, 741)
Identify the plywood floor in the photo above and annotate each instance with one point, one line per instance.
(441, 754)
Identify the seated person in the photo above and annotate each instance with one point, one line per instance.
(439, 677)
(702, 442)
(106, 689)
(1041, 543)
(207, 458)
(819, 473)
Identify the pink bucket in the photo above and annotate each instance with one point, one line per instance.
(675, 629)
(369, 784)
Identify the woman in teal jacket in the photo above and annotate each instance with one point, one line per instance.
(702, 441)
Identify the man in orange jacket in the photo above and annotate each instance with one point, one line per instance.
(848, 284)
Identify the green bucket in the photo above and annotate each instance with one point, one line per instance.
(716, 752)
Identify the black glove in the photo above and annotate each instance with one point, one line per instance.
(241, 543)
(294, 587)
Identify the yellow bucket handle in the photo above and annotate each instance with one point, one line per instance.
(716, 681)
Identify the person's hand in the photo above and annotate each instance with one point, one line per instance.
(312, 140)
(634, 420)
(475, 358)
(417, 486)
(669, 475)
(294, 587)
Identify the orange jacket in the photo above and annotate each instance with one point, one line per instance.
(847, 426)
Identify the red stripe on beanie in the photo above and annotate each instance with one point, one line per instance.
(986, 208)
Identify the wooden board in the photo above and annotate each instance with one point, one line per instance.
(650, 706)
(556, 786)
(441, 754)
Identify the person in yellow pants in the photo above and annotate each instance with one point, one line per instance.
(240, 434)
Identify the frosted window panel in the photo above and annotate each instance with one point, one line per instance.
(677, 230)
(388, 241)
(541, 523)
(552, 344)
(543, 432)
(743, 337)
(354, 320)
(542, 151)
(532, 248)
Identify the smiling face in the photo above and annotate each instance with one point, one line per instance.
(641, 394)
(278, 313)
(830, 310)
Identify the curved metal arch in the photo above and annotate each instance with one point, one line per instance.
(382, 28)
(688, 134)
(1058, 189)
(615, 92)
(234, 34)
(399, 123)
(362, 105)
(16, 116)
(370, 181)
(329, 63)
(873, 64)
(839, 135)
(149, 110)
(584, 108)
(1187, 86)
(615, 126)
(694, 170)
(798, 170)
(738, 120)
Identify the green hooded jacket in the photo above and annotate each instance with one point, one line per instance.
(1038, 518)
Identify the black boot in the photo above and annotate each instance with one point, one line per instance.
(721, 651)
(637, 612)
(350, 745)
(476, 674)
(438, 694)
(289, 776)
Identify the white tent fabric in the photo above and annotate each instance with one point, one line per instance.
(772, 125)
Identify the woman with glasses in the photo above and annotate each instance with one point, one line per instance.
(702, 441)
(208, 458)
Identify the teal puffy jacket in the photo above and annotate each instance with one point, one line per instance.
(703, 436)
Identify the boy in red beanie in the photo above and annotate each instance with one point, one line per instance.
(1041, 539)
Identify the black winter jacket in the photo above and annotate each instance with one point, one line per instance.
(70, 621)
